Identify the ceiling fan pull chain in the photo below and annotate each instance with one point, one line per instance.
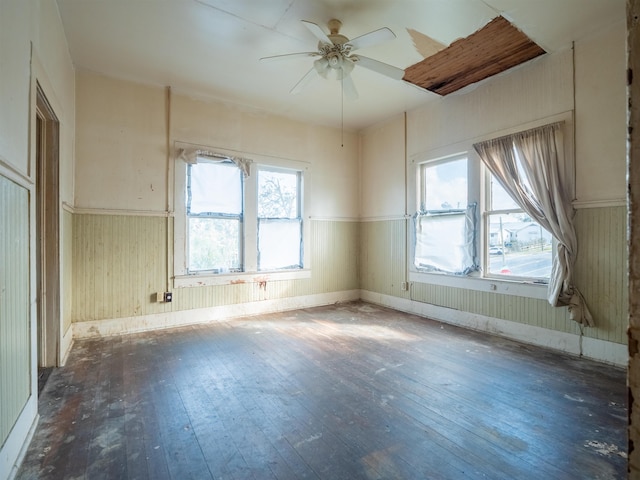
(342, 110)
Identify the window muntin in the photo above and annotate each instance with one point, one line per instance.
(279, 198)
(516, 246)
(214, 208)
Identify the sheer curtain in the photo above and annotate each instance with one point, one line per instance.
(530, 166)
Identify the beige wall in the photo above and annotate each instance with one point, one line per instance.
(601, 117)
(382, 167)
(121, 145)
(543, 88)
(32, 48)
(120, 149)
(124, 183)
(534, 91)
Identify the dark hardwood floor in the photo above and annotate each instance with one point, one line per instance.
(351, 391)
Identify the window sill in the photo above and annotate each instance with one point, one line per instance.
(483, 284)
(203, 280)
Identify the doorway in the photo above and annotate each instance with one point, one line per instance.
(47, 237)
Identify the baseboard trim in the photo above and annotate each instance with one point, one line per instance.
(15, 446)
(600, 350)
(126, 325)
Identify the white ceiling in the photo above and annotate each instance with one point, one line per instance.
(211, 48)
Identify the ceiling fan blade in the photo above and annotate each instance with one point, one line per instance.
(372, 38)
(304, 81)
(317, 31)
(349, 88)
(287, 56)
(380, 67)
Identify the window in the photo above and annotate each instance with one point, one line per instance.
(238, 219)
(214, 212)
(516, 245)
(444, 222)
(279, 219)
(510, 249)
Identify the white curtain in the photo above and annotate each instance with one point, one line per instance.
(540, 188)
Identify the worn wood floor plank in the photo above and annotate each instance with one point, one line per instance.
(350, 391)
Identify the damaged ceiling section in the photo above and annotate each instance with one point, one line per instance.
(496, 47)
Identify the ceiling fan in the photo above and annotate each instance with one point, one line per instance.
(336, 58)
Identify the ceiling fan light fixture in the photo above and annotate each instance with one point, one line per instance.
(347, 68)
(322, 66)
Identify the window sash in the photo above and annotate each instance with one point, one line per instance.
(280, 244)
(519, 258)
(445, 225)
(214, 250)
(429, 185)
(297, 207)
(224, 178)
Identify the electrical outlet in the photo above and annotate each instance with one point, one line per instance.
(168, 296)
(404, 286)
(159, 297)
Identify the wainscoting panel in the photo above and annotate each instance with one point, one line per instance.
(15, 341)
(600, 274)
(120, 263)
(383, 256)
(601, 269)
(66, 247)
(334, 256)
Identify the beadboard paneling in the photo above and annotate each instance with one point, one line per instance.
(599, 274)
(67, 269)
(383, 257)
(524, 310)
(334, 256)
(15, 350)
(120, 262)
(601, 269)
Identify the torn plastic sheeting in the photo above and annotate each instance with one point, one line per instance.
(446, 242)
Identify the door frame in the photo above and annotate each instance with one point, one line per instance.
(47, 201)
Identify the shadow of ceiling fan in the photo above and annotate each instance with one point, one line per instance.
(336, 57)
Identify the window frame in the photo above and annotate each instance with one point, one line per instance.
(478, 281)
(182, 277)
(298, 217)
(216, 215)
(421, 205)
